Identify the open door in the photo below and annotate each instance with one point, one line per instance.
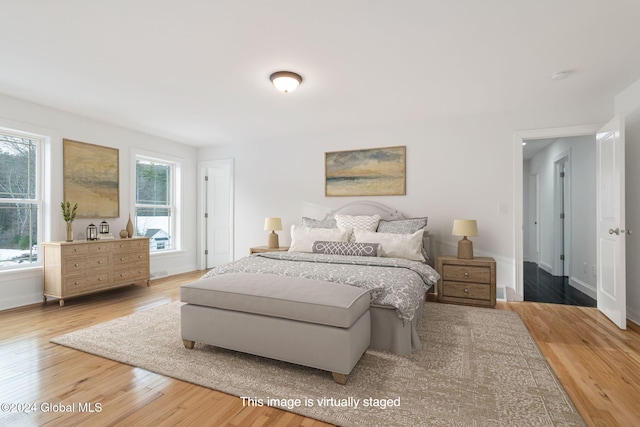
(611, 232)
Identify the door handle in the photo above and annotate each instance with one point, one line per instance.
(617, 231)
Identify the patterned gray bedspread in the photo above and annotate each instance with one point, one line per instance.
(394, 282)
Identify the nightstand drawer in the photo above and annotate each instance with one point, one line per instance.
(467, 290)
(464, 273)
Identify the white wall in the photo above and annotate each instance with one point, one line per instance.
(25, 287)
(456, 168)
(581, 213)
(628, 103)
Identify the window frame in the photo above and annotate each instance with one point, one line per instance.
(38, 201)
(175, 194)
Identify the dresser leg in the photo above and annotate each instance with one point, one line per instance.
(148, 282)
(44, 300)
(61, 302)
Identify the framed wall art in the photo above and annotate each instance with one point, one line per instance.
(369, 172)
(91, 178)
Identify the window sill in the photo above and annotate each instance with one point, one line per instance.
(167, 254)
(21, 273)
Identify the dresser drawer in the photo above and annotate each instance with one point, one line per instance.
(86, 283)
(465, 273)
(135, 273)
(83, 265)
(72, 250)
(467, 290)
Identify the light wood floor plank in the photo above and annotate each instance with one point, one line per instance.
(598, 364)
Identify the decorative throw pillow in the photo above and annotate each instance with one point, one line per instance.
(302, 238)
(405, 226)
(357, 222)
(346, 248)
(407, 246)
(319, 223)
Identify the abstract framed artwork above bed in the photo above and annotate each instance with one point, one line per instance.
(368, 172)
(397, 283)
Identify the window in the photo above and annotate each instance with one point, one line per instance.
(20, 203)
(155, 204)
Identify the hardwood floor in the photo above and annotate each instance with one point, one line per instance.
(598, 364)
(540, 286)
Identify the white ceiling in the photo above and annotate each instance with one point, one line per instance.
(198, 71)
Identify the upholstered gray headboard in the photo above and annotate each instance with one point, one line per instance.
(367, 207)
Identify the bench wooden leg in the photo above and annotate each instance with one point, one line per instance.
(340, 378)
(188, 343)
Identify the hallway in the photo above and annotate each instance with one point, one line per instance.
(540, 286)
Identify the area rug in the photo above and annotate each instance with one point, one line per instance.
(478, 367)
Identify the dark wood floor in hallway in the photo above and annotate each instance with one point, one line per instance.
(540, 286)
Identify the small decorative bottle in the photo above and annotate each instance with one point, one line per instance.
(129, 227)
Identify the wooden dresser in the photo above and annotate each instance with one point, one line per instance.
(84, 267)
(467, 281)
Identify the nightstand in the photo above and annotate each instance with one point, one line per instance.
(467, 281)
(258, 249)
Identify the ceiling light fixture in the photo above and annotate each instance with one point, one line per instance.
(560, 75)
(285, 81)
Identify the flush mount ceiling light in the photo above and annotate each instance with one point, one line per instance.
(286, 81)
(560, 75)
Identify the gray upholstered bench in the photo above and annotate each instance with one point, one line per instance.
(308, 322)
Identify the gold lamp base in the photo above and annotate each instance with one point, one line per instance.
(273, 241)
(465, 248)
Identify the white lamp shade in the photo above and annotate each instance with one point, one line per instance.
(271, 224)
(286, 81)
(465, 227)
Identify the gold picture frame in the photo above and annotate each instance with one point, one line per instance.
(367, 172)
(91, 178)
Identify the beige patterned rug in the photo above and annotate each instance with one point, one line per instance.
(479, 367)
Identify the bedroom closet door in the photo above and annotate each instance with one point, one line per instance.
(218, 215)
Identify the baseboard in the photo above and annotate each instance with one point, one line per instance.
(633, 315)
(546, 267)
(21, 301)
(583, 287)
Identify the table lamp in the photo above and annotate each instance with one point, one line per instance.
(273, 224)
(464, 228)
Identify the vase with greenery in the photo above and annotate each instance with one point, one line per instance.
(69, 214)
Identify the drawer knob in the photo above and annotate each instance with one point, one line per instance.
(466, 274)
(75, 250)
(100, 262)
(121, 259)
(99, 279)
(121, 275)
(76, 265)
(466, 290)
(76, 283)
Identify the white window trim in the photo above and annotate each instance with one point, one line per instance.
(44, 160)
(176, 193)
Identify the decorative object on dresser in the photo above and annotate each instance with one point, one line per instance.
(80, 268)
(467, 281)
(124, 234)
(104, 231)
(69, 214)
(129, 227)
(273, 224)
(92, 232)
(464, 228)
(261, 249)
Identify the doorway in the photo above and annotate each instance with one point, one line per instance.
(559, 226)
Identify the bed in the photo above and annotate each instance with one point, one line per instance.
(397, 284)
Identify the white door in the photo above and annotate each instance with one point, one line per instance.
(219, 213)
(611, 281)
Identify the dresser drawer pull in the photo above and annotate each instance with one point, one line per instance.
(75, 250)
(121, 259)
(466, 274)
(99, 279)
(121, 275)
(76, 283)
(466, 290)
(76, 265)
(100, 262)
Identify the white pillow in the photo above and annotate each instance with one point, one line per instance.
(358, 222)
(392, 245)
(302, 238)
